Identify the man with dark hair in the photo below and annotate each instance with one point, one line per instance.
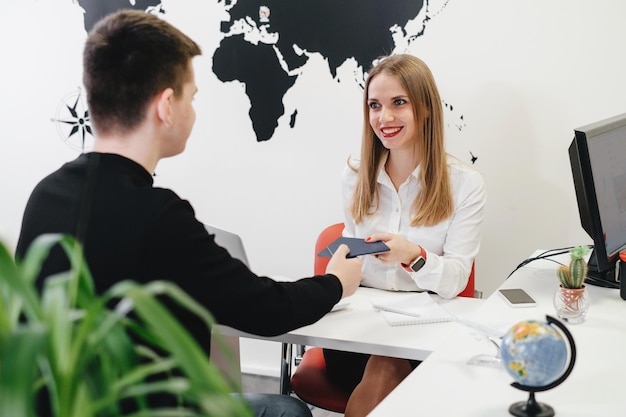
(140, 83)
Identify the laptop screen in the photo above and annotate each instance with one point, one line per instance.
(229, 241)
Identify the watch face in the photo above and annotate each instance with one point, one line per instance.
(418, 264)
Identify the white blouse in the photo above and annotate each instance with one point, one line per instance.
(451, 245)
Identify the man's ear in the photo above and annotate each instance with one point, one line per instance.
(164, 109)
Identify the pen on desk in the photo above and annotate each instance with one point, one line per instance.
(397, 311)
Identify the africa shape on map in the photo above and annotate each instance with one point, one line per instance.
(266, 43)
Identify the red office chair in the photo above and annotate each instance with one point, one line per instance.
(310, 381)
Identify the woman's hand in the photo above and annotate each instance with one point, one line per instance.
(401, 250)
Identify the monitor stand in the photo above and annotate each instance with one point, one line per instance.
(601, 278)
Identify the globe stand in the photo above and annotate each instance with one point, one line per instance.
(533, 408)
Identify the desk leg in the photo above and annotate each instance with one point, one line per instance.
(285, 368)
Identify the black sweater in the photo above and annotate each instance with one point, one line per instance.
(132, 230)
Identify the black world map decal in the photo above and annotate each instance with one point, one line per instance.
(266, 43)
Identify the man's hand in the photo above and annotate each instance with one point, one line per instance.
(347, 270)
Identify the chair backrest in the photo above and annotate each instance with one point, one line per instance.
(469, 288)
(325, 238)
(332, 232)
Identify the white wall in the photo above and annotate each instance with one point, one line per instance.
(522, 74)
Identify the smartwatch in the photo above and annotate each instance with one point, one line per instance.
(417, 264)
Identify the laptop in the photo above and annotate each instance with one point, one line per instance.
(229, 241)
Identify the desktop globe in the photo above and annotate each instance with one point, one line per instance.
(536, 355)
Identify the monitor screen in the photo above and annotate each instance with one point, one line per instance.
(598, 161)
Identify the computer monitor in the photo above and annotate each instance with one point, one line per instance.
(598, 159)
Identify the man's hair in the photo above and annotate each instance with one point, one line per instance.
(129, 57)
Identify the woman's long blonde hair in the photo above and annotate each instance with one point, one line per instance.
(434, 203)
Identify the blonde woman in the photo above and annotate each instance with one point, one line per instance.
(405, 190)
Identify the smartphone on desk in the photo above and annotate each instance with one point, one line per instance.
(517, 297)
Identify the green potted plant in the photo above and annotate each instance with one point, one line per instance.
(571, 300)
(85, 354)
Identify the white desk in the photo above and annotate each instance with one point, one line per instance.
(445, 385)
(359, 328)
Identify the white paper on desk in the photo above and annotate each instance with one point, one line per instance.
(413, 308)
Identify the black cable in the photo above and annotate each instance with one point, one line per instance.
(543, 255)
(560, 251)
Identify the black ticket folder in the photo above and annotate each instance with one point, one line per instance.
(357, 247)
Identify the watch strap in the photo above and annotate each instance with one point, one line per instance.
(417, 263)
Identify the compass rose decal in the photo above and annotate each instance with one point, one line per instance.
(73, 122)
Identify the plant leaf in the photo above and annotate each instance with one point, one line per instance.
(18, 357)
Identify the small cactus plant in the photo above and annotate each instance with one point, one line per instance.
(573, 276)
